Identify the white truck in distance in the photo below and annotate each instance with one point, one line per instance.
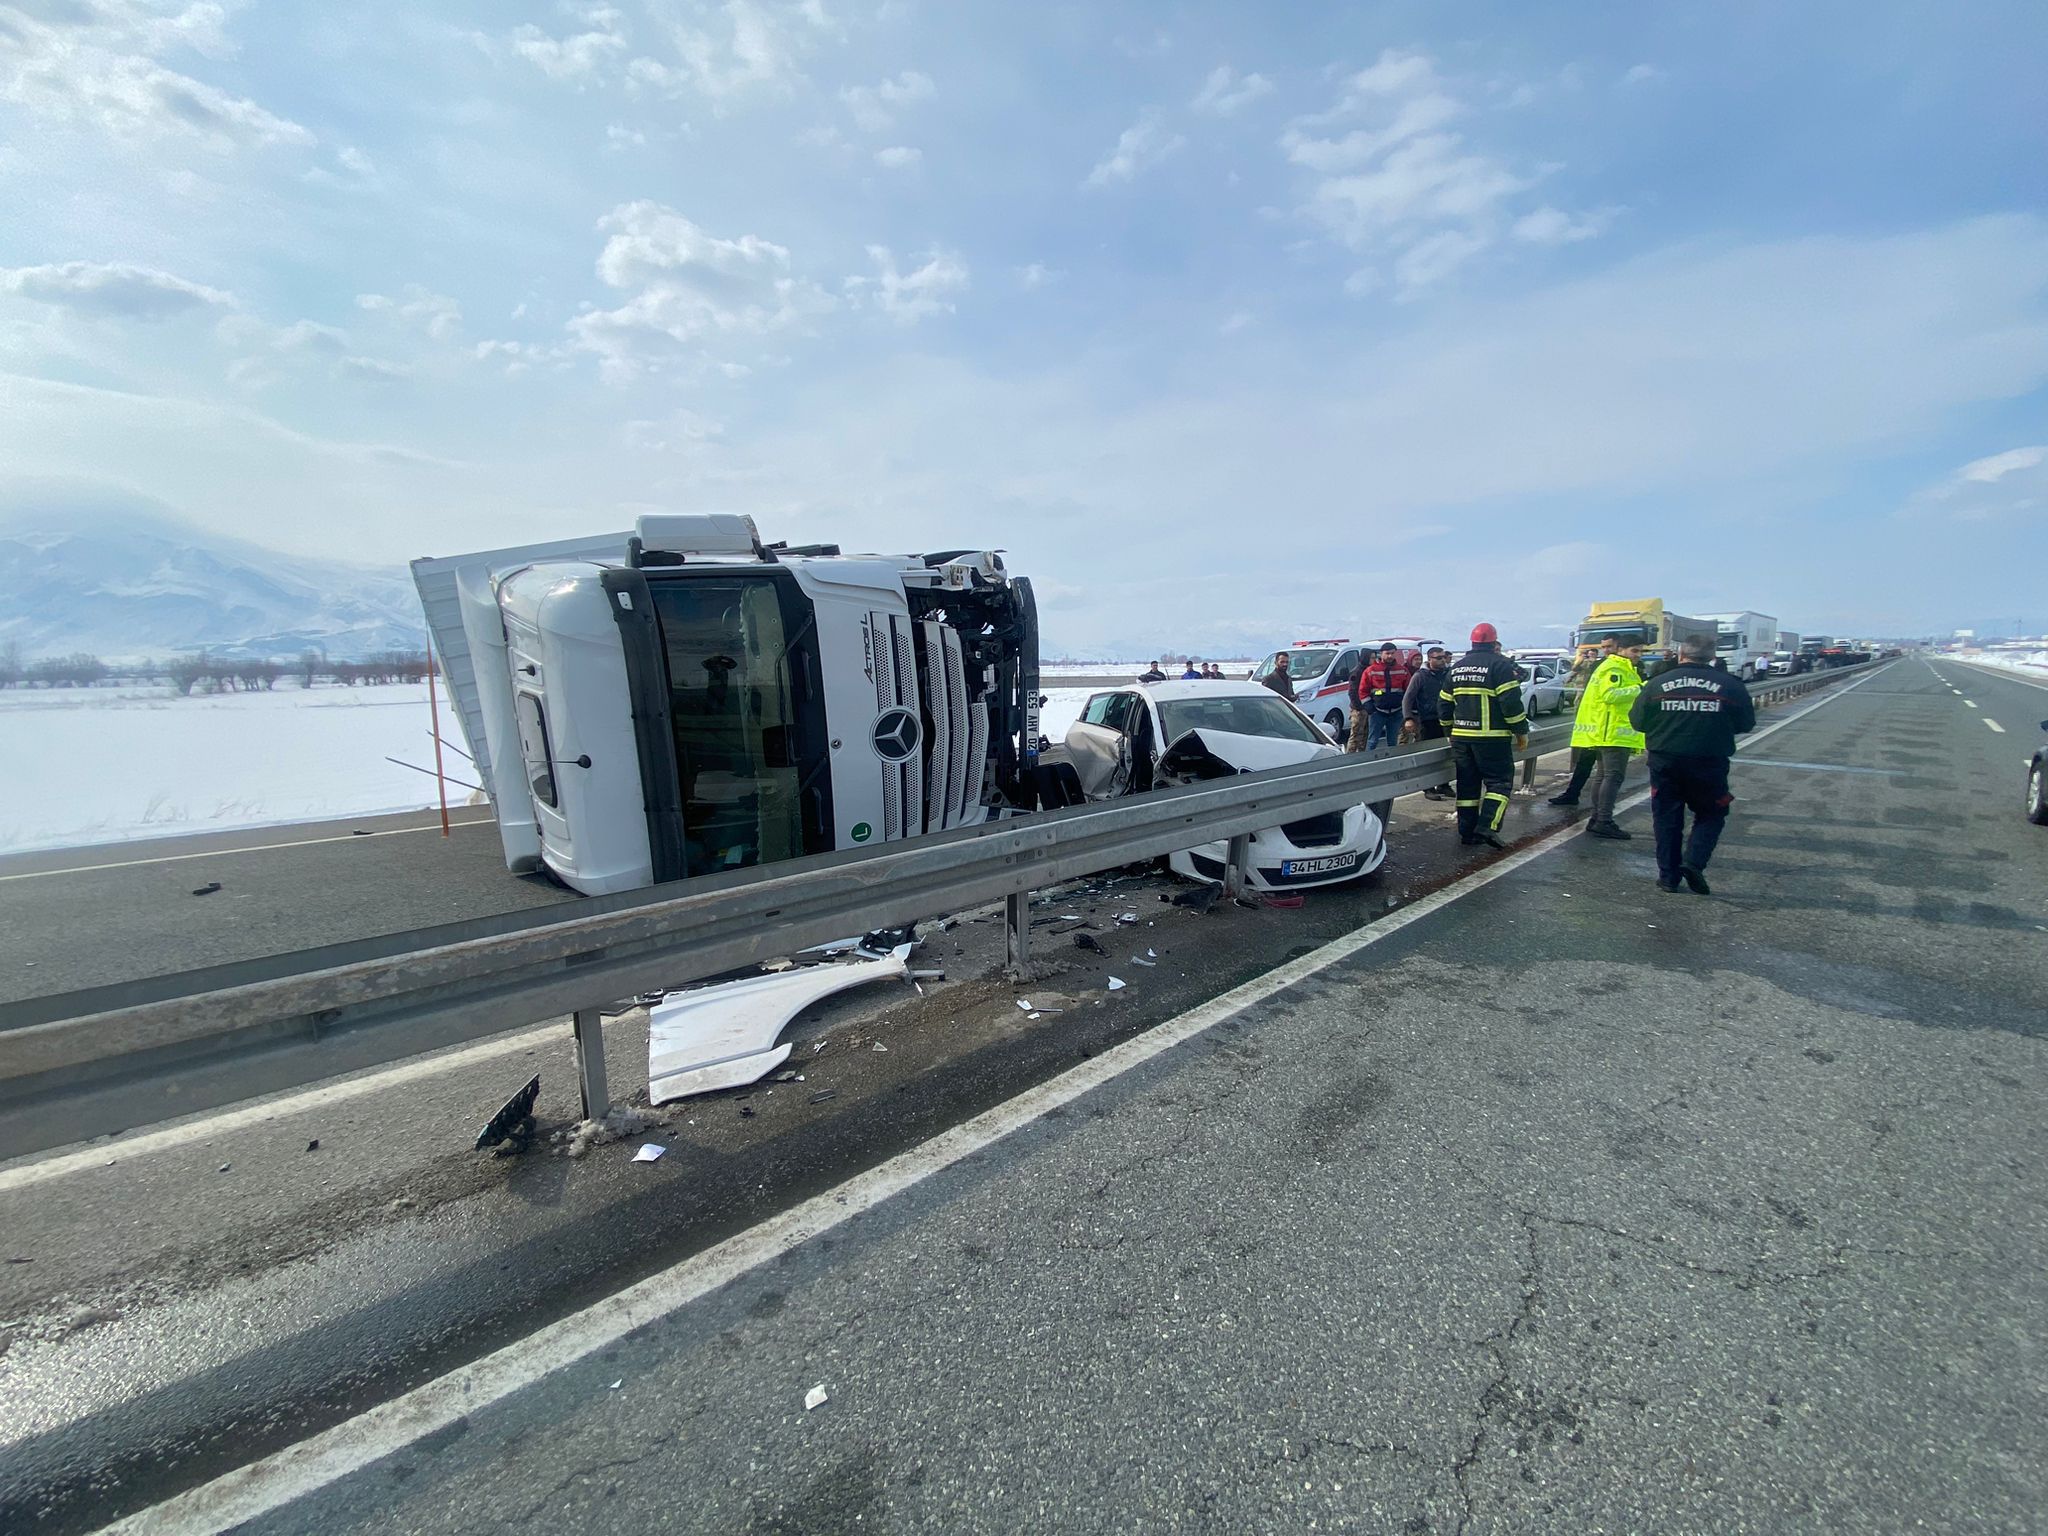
(1745, 642)
(687, 700)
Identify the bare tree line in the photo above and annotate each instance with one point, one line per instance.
(203, 672)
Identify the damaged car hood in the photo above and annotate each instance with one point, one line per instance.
(1217, 754)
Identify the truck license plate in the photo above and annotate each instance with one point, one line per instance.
(1291, 867)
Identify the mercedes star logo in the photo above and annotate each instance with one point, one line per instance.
(895, 734)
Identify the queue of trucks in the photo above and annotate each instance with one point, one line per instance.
(1751, 645)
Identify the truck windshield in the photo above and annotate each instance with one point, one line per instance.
(747, 711)
(1729, 640)
(1244, 714)
(1631, 634)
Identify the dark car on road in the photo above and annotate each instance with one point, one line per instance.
(2037, 784)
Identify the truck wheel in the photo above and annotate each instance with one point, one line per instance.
(2037, 795)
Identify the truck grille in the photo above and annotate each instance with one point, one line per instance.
(941, 788)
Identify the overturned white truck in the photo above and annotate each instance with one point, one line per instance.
(686, 700)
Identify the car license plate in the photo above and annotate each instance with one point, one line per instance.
(1292, 867)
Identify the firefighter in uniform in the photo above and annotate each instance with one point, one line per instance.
(1481, 709)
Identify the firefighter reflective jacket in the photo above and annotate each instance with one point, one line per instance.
(1694, 711)
(1602, 720)
(1483, 696)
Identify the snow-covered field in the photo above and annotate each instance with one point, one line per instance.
(2034, 663)
(101, 765)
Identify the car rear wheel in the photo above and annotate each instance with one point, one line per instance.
(1335, 721)
(2037, 795)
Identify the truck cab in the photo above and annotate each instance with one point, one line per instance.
(687, 700)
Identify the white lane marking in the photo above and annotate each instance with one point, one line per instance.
(1994, 725)
(217, 853)
(99, 1155)
(1971, 702)
(278, 1479)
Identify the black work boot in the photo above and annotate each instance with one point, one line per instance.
(1697, 880)
(1608, 829)
(1568, 802)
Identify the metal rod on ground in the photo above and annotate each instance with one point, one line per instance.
(434, 713)
(1239, 863)
(597, 1101)
(1017, 923)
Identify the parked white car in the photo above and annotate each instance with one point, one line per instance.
(1543, 683)
(1154, 735)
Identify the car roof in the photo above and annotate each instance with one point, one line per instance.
(1196, 688)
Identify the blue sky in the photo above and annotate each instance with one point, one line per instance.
(1230, 324)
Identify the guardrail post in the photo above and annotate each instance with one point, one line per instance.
(1236, 866)
(1017, 923)
(1529, 771)
(597, 1099)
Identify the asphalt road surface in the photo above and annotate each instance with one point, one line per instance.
(1563, 1205)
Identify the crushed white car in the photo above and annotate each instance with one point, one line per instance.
(1156, 735)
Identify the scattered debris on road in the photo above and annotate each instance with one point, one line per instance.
(514, 1122)
(1089, 942)
(649, 1152)
(1115, 985)
(207, 889)
(313, 1145)
(823, 1094)
(1200, 899)
(723, 1036)
(817, 1397)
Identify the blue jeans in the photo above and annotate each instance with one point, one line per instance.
(1381, 729)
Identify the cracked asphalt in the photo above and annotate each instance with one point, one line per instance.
(1572, 1206)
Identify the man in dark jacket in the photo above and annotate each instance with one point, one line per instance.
(1690, 716)
(1278, 679)
(1420, 706)
(1152, 674)
(1377, 693)
(1481, 706)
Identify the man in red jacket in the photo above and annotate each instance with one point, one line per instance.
(1377, 696)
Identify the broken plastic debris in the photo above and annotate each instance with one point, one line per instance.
(816, 1398)
(1033, 1015)
(823, 1094)
(878, 1046)
(618, 1384)
(1023, 1004)
(724, 1035)
(1141, 960)
(1151, 954)
(1115, 985)
(649, 1152)
(207, 889)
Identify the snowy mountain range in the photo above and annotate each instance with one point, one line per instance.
(124, 585)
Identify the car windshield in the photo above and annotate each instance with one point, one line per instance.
(1240, 714)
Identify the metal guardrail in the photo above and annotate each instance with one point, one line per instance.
(85, 1064)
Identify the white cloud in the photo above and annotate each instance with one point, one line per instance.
(1226, 92)
(94, 66)
(577, 56)
(1551, 226)
(727, 51)
(1395, 179)
(2000, 485)
(686, 286)
(1234, 322)
(1643, 74)
(1142, 145)
(874, 107)
(112, 290)
(913, 296)
(1036, 274)
(376, 370)
(435, 313)
(899, 157)
(1434, 257)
